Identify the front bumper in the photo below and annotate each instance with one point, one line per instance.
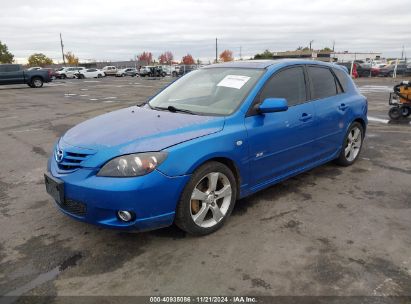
(153, 197)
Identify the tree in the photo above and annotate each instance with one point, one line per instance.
(166, 58)
(226, 55)
(39, 59)
(265, 55)
(326, 49)
(145, 57)
(187, 59)
(71, 58)
(5, 55)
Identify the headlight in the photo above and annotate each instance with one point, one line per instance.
(132, 164)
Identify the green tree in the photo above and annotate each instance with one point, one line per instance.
(39, 59)
(5, 55)
(326, 49)
(265, 55)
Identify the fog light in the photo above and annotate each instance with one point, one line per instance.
(125, 216)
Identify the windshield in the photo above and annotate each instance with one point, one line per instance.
(213, 91)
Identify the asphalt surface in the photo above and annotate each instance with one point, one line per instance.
(330, 231)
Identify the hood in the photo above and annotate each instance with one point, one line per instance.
(138, 129)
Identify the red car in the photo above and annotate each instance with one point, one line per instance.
(52, 73)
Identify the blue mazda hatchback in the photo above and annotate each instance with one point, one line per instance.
(216, 135)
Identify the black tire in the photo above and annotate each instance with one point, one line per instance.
(395, 113)
(163, 74)
(99, 76)
(36, 82)
(63, 76)
(343, 159)
(184, 218)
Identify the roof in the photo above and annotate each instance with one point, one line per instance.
(262, 64)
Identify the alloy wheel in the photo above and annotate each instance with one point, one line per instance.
(353, 144)
(210, 199)
(37, 83)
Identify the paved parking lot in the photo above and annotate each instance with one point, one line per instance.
(331, 231)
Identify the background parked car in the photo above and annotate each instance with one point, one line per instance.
(388, 71)
(152, 71)
(90, 73)
(69, 72)
(52, 73)
(110, 70)
(362, 69)
(15, 74)
(184, 69)
(127, 72)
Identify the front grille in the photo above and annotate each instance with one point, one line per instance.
(72, 161)
(72, 157)
(74, 207)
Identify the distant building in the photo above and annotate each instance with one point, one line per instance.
(327, 56)
(349, 56)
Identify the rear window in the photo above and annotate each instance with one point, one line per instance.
(322, 82)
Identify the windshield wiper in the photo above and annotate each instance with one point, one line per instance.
(173, 109)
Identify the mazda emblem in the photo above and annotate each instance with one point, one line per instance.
(59, 155)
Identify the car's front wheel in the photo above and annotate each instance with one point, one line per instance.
(352, 145)
(207, 199)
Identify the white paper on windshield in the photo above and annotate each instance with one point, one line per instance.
(233, 81)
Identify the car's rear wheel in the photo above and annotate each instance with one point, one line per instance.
(63, 76)
(36, 82)
(207, 200)
(352, 145)
(99, 76)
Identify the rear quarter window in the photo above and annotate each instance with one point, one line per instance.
(342, 78)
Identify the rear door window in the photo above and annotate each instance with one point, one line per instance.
(288, 84)
(322, 82)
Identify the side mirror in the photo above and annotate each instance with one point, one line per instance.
(270, 105)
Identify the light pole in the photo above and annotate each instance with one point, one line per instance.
(62, 49)
(216, 51)
(311, 41)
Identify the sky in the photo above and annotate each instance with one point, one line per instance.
(119, 30)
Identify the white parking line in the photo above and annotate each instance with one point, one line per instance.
(374, 88)
(376, 119)
(25, 130)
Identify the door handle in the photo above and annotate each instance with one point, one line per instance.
(305, 117)
(343, 107)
